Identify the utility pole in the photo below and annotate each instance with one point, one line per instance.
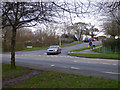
(60, 40)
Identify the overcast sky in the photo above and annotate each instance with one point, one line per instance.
(94, 18)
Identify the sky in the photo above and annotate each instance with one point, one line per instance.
(94, 19)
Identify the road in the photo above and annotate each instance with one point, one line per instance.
(65, 50)
(69, 64)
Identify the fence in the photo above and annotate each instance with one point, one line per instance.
(110, 50)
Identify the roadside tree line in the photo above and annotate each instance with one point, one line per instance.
(26, 37)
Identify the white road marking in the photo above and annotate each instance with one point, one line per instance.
(89, 62)
(75, 61)
(55, 56)
(52, 65)
(101, 59)
(51, 56)
(111, 72)
(74, 57)
(74, 68)
(65, 67)
(101, 63)
(114, 64)
(105, 63)
(109, 64)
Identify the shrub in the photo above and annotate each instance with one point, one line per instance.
(112, 43)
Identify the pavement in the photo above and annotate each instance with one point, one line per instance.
(88, 51)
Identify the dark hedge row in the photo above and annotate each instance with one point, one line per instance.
(112, 43)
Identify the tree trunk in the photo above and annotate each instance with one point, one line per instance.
(13, 40)
(92, 35)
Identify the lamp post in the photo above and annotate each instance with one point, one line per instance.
(60, 43)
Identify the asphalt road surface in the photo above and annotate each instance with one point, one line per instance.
(75, 65)
(65, 50)
(69, 64)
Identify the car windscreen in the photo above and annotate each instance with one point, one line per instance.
(53, 47)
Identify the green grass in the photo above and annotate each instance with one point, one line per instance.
(52, 79)
(34, 48)
(72, 44)
(0, 50)
(61, 80)
(97, 50)
(81, 49)
(8, 73)
(111, 56)
(0, 70)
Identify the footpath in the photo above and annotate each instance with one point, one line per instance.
(88, 51)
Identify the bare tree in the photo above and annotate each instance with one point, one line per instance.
(6, 34)
(47, 35)
(111, 9)
(23, 14)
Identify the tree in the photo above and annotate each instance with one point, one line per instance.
(86, 32)
(111, 9)
(112, 28)
(46, 35)
(78, 29)
(92, 31)
(6, 34)
(24, 14)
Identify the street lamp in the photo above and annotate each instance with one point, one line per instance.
(60, 43)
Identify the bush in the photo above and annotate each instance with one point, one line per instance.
(112, 43)
(19, 46)
(6, 47)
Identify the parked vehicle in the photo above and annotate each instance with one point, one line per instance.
(54, 49)
(86, 39)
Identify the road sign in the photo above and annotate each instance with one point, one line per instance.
(29, 46)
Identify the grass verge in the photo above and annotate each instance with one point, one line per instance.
(109, 56)
(81, 49)
(99, 50)
(8, 73)
(52, 79)
(72, 44)
(34, 48)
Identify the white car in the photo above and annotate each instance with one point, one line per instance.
(54, 49)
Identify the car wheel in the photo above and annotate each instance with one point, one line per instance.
(48, 54)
